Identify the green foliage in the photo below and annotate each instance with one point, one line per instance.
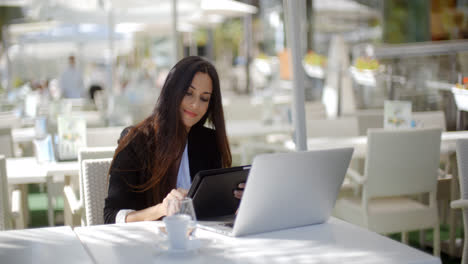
(8, 13)
(201, 37)
(17, 82)
(406, 21)
(229, 35)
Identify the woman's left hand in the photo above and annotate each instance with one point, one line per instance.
(239, 191)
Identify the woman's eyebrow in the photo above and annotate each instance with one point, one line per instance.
(193, 87)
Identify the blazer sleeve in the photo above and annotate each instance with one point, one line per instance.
(126, 170)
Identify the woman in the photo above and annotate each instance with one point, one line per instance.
(156, 160)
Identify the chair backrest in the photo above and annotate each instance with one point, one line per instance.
(430, 119)
(401, 162)
(340, 127)
(9, 120)
(92, 118)
(103, 136)
(315, 110)
(6, 142)
(462, 161)
(87, 154)
(367, 119)
(95, 189)
(4, 197)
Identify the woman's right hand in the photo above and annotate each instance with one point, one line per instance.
(178, 194)
(155, 212)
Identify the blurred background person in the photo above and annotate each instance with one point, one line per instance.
(71, 81)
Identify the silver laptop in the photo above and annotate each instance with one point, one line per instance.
(287, 190)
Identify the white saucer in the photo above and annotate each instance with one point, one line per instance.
(192, 246)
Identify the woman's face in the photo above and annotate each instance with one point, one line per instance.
(196, 99)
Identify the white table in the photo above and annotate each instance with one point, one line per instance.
(28, 170)
(21, 171)
(21, 135)
(254, 128)
(42, 245)
(333, 242)
(447, 145)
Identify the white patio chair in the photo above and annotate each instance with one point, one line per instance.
(430, 119)
(462, 203)
(315, 110)
(6, 142)
(369, 118)
(239, 109)
(338, 127)
(399, 164)
(95, 172)
(11, 214)
(93, 118)
(447, 185)
(103, 136)
(73, 190)
(9, 119)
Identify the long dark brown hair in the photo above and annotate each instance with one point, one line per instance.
(164, 132)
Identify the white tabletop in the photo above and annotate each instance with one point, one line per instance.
(28, 170)
(42, 245)
(447, 146)
(254, 128)
(333, 242)
(26, 134)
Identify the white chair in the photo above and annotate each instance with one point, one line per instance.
(6, 142)
(73, 203)
(430, 119)
(11, 215)
(95, 179)
(9, 119)
(399, 164)
(369, 118)
(103, 136)
(315, 110)
(447, 187)
(338, 127)
(93, 118)
(462, 203)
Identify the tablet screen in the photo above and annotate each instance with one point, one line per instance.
(212, 191)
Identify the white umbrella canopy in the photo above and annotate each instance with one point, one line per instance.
(14, 2)
(56, 40)
(136, 11)
(227, 8)
(343, 7)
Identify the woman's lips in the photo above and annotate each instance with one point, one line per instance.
(191, 114)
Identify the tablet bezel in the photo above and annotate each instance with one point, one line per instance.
(203, 176)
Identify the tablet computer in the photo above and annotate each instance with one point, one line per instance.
(212, 191)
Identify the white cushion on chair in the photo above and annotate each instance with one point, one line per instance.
(384, 212)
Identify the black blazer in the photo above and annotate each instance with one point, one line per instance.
(203, 154)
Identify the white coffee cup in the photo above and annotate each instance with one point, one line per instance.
(177, 230)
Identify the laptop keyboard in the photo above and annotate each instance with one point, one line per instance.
(230, 224)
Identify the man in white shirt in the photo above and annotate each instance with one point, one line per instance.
(71, 81)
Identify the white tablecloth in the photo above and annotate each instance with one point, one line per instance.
(28, 170)
(42, 245)
(333, 242)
